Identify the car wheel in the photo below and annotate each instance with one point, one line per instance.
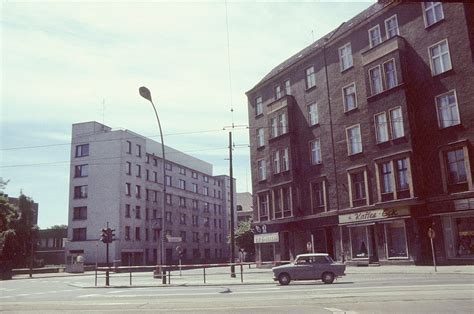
(284, 279)
(327, 277)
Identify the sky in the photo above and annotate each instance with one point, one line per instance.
(64, 62)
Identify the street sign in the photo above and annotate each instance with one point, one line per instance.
(173, 239)
(431, 233)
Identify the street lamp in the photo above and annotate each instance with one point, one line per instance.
(145, 93)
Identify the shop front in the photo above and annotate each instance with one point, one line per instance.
(266, 246)
(378, 236)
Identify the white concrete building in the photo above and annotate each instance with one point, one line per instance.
(117, 178)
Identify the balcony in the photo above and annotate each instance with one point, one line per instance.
(382, 49)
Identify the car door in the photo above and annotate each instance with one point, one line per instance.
(303, 269)
(320, 265)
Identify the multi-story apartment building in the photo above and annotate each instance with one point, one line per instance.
(117, 178)
(363, 141)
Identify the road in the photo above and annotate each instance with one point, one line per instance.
(358, 293)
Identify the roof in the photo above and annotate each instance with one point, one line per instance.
(318, 44)
(312, 254)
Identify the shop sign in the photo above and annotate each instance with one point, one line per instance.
(370, 215)
(266, 238)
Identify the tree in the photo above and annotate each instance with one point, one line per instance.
(57, 227)
(244, 237)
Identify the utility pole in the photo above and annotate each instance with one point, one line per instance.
(107, 259)
(232, 238)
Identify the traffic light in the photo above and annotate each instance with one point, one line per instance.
(110, 235)
(104, 235)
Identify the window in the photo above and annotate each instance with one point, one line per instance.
(138, 190)
(282, 123)
(402, 174)
(195, 220)
(182, 201)
(127, 189)
(147, 236)
(195, 187)
(168, 166)
(139, 150)
(206, 221)
(460, 237)
(196, 239)
(137, 234)
(375, 37)
(396, 239)
(277, 209)
(127, 233)
(205, 190)
(182, 184)
(456, 167)
(440, 59)
(155, 176)
(354, 140)
(390, 74)
(285, 163)
(381, 127)
(80, 213)
(195, 204)
(391, 27)
(81, 171)
(433, 12)
(359, 242)
(137, 212)
(276, 162)
(147, 174)
(168, 180)
(310, 78)
(260, 137)
(128, 167)
(375, 80)
(313, 117)
(182, 170)
(205, 178)
(129, 147)
(155, 196)
(262, 175)
(273, 127)
(315, 149)
(82, 150)
(206, 239)
(278, 92)
(258, 106)
(79, 234)
(182, 235)
(155, 162)
(182, 219)
(168, 218)
(318, 197)
(138, 170)
(396, 122)
(206, 207)
(127, 210)
(350, 99)
(80, 191)
(358, 186)
(194, 175)
(286, 200)
(288, 87)
(147, 214)
(447, 108)
(386, 176)
(345, 56)
(169, 199)
(263, 206)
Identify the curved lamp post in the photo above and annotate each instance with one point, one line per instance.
(145, 93)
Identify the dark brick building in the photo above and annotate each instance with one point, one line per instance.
(363, 141)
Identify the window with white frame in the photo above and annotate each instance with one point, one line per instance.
(440, 58)
(282, 123)
(381, 127)
(354, 140)
(195, 187)
(433, 12)
(447, 108)
(318, 197)
(375, 37)
(390, 74)
(168, 180)
(315, 149)
(285, 163)
(391, 27)
(262, 173)
(402, 178)
(276, 161)
(263, 206)
(182, 201)
(310, 78)
(273, 127)
(278, 92)
(288, 87)
(358, 186)
(182, 170)
(169, 199)
(277, 207)
(182, 184)
(81, 171)
(396, 123)
(313, 117)
(286, 201)
(82, 150)
(349, 96)
(375, 80)
(456, 167)
(258, 106)
(395, 234)
(127, 189)
(80, 191)
(345, 56)
(260, 137)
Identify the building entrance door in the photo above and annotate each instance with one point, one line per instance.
(373, 255)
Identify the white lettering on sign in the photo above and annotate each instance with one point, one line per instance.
(373, 215)
(266, 238)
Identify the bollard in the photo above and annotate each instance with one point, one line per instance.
(204, 269)
(241, 273)
(130, 269)
(96, 275)
(169, 276)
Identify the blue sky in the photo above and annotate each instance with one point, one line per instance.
(65, 62)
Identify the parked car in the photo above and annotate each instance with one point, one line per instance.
(313, 266)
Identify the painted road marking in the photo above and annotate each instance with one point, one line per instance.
(339, 311)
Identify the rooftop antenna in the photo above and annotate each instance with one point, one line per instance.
(312, 35)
